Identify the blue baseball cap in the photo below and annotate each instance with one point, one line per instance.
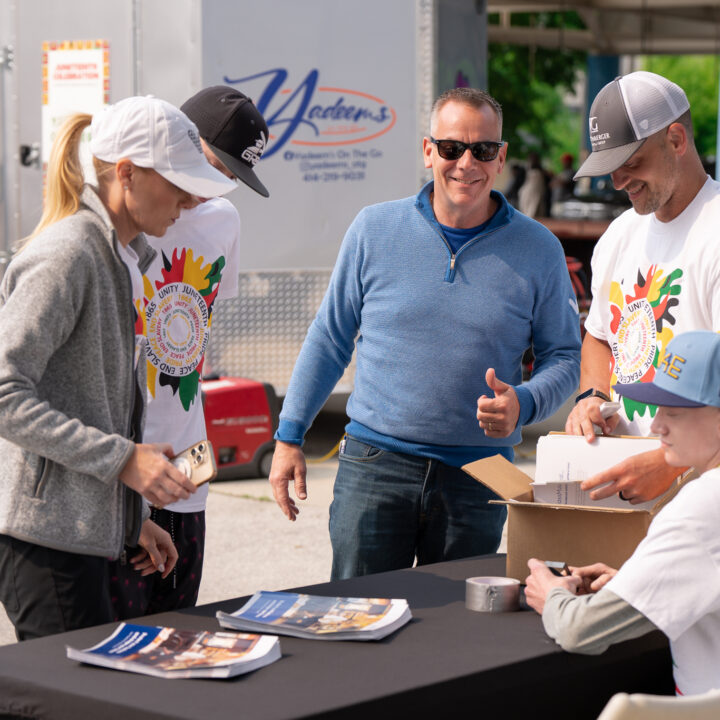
(688, 376)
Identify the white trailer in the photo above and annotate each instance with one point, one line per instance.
(345, 87)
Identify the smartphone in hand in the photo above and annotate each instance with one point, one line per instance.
(197, 462)
(609, 408)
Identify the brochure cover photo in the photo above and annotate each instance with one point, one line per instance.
(319, 617)
(166, 652)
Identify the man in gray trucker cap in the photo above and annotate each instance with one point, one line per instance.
(655, 271)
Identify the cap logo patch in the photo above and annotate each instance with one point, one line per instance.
(252, 153)
(195, 139)
(597, 139)
(671, 365)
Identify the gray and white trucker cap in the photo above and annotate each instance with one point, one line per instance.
(624, 114)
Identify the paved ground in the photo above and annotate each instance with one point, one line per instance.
(251, 546)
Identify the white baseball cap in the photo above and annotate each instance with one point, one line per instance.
(152, 133)
(624, 114)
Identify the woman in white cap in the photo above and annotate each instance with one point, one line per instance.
(672, 580)
(71, 403)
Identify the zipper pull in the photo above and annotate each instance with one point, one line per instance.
(123, 557)
(450, 270)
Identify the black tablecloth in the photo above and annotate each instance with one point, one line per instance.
(446, 660)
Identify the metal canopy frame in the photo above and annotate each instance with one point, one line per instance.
(616, 27)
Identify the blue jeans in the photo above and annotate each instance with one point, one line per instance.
(389, 509)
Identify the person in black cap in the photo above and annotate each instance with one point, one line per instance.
(234, 131)
(655, 271)
(196, 265)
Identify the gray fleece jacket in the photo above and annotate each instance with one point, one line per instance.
(69, 397)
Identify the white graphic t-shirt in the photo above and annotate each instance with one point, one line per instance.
(181, 288)
(651, 281)
(673, 578)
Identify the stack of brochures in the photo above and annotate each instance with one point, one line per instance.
(169, 653)
(564, 461)
(318, 617)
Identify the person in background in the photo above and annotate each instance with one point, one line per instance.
(533, 194)
(655, 271)
(561, 185)
(672, 580)
(517, 178)
(197, 264)
(440, 294)
(71, 404)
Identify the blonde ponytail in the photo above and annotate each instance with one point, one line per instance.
(64, 180)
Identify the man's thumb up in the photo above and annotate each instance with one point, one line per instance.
(494, 383)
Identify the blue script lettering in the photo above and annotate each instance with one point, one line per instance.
(303, 94)
(340, 111)
(293, 111)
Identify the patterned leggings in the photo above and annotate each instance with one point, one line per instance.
(133, 595)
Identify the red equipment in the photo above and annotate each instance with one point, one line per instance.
(241, 417)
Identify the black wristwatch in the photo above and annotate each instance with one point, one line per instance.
(592, 392)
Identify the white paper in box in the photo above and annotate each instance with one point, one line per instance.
(564, 461)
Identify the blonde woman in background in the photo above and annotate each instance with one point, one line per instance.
(71, 403)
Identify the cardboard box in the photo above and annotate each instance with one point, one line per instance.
(567, 533)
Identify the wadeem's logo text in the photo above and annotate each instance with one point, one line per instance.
(316, 116)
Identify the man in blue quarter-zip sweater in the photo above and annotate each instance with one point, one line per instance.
(444, 292)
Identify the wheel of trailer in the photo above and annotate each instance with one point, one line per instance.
(265, 464)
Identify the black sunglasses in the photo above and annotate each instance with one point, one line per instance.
(484, 151)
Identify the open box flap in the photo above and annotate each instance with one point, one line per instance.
(502, 477)
(529, 503)
(627, 437)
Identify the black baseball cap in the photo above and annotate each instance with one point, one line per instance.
(233, 128)
(624, 114)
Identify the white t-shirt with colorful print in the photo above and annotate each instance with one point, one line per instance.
(673, 578)
(651, 281)
(197, 264)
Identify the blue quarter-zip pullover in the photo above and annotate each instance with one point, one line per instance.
(427, 322)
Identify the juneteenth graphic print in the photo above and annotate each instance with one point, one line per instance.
(641, 327)
(178, 312)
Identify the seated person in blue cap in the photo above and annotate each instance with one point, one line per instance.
(672, 580)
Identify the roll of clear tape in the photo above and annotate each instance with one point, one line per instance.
(492, 594)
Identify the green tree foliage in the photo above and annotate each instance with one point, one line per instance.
(530, 84)
(698, 76)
